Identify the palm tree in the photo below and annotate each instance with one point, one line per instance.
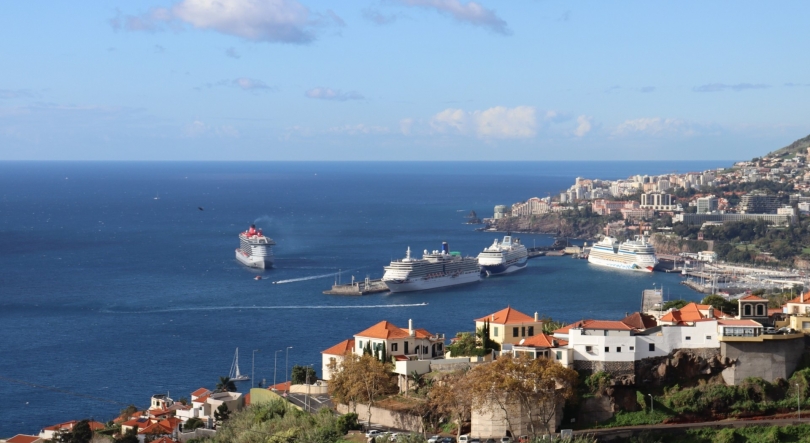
(226, 385)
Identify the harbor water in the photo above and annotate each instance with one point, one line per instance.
(118, 280)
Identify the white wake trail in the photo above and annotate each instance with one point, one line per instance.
(312, 277)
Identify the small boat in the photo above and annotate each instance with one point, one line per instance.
(235, 375)
(258, 277)
(157, 197)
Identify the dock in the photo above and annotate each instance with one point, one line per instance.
(367, 286)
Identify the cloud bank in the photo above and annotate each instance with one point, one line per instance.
(496, 122)
(471, 13)
(717, 87)
(333, 94)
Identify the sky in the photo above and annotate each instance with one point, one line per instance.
(430, 80)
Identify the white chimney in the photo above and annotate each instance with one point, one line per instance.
(410, 327)
(492, 317)
(536, 317)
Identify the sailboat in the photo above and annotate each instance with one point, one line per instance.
(235, 375)
(157, 197)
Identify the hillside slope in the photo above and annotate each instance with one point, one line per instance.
(799, 145)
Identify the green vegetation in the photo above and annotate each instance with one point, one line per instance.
(637, 418)
(225, 384)
(469, 345)
(675, 304)
(303, 374)
(748, 434)
(720, 304)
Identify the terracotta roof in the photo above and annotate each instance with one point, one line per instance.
(638, 320)
(613, 325)
(200, 392)
(798, 299)
(507, 316)
(386, 330)
(772, 311)
(284, 386)
(139, 422)
(689, 313)
(68, 425)
(752, 297)
(540, 341)
(738, 323)
(341, 348)
(201, 399)
(20, 438)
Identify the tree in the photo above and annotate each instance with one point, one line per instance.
(675, 304)
(225, 385)
(131, 436)
(303, 374)
(360, 378)
(221, 414)
(520, 385)
(452, 398)
(720, 304)
(80, 433)
(192, 424)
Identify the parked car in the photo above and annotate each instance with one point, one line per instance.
(474, 440)
(434, 439)
(464, 438)
(490, 440)
(449, 440)
(770, 330)
(523, 439)
(373, 432)
(506, 440)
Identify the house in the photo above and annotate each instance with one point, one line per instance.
(752, 307)
(600, 345)
(688, 314)
(754, 353)
(335, 354)
(510, 325)
(545, 346)
(21, 438)
(48, 432)
(162, 428)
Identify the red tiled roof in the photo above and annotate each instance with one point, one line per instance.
(21, 438)
(638, 320)
(772, 311)
(201, 399)
(689, 313)
(386, 330)
(139, 422)
(540, 341)
(798, 300)
(507, 316)
(752, 297)
(68, 425)
(284, 386)
(341, 348)
(613, 325)
(200, 392)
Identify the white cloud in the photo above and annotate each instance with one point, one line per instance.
(359, 129)
(653, 126)
(198, 128)
(280, 21)
(497, 122)
(470, 12)
(333, 94)
(583, 126)
(249, 84)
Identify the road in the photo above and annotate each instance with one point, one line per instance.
(627, 431)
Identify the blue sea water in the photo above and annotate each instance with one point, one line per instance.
(109, 295)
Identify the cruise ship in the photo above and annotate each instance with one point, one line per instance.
(436, 269)
(255, 250)
(636, 254)
(504, 257)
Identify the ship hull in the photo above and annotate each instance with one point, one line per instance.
(505, 268)
(628, 266)
(265, 262)
(422, 284)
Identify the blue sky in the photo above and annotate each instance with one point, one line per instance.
(401, 80)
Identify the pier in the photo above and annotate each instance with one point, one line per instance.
(367, 286)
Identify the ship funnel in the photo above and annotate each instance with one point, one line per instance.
(408, 253)
(410, 327)
(445, 248)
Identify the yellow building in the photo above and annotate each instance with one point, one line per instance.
(510, 325)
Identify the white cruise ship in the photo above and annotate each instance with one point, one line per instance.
(636, 255)
(504, 257)
(255, 250)
(434, 270)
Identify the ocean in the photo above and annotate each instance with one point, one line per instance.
(118, 279)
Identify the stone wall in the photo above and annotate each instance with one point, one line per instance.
(491, 422)
(679, 366)
(384, 417)
(614, 368)
(768, 359)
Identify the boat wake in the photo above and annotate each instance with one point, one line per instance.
(259, 308)
(312, 277)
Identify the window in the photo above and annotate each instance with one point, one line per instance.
(588, 348)
(747, 310)
(652, 347)
(607, 349)
(632, 348)
(531, 331)
(760, 310)
(708, 337)
(360, 344)
(618, 349)
(688, 337)
(495, 331)
(393, 347)
(559, 355)
(514, 332)
(523, 331)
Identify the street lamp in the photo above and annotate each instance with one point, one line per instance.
(287, 367)
(275, 360)
(253, 367)
(308, 404)
(652, 405)
(799, 400)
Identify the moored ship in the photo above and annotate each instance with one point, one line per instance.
(635, 255)
(504, 257)
(255, 250)
(434, 270)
